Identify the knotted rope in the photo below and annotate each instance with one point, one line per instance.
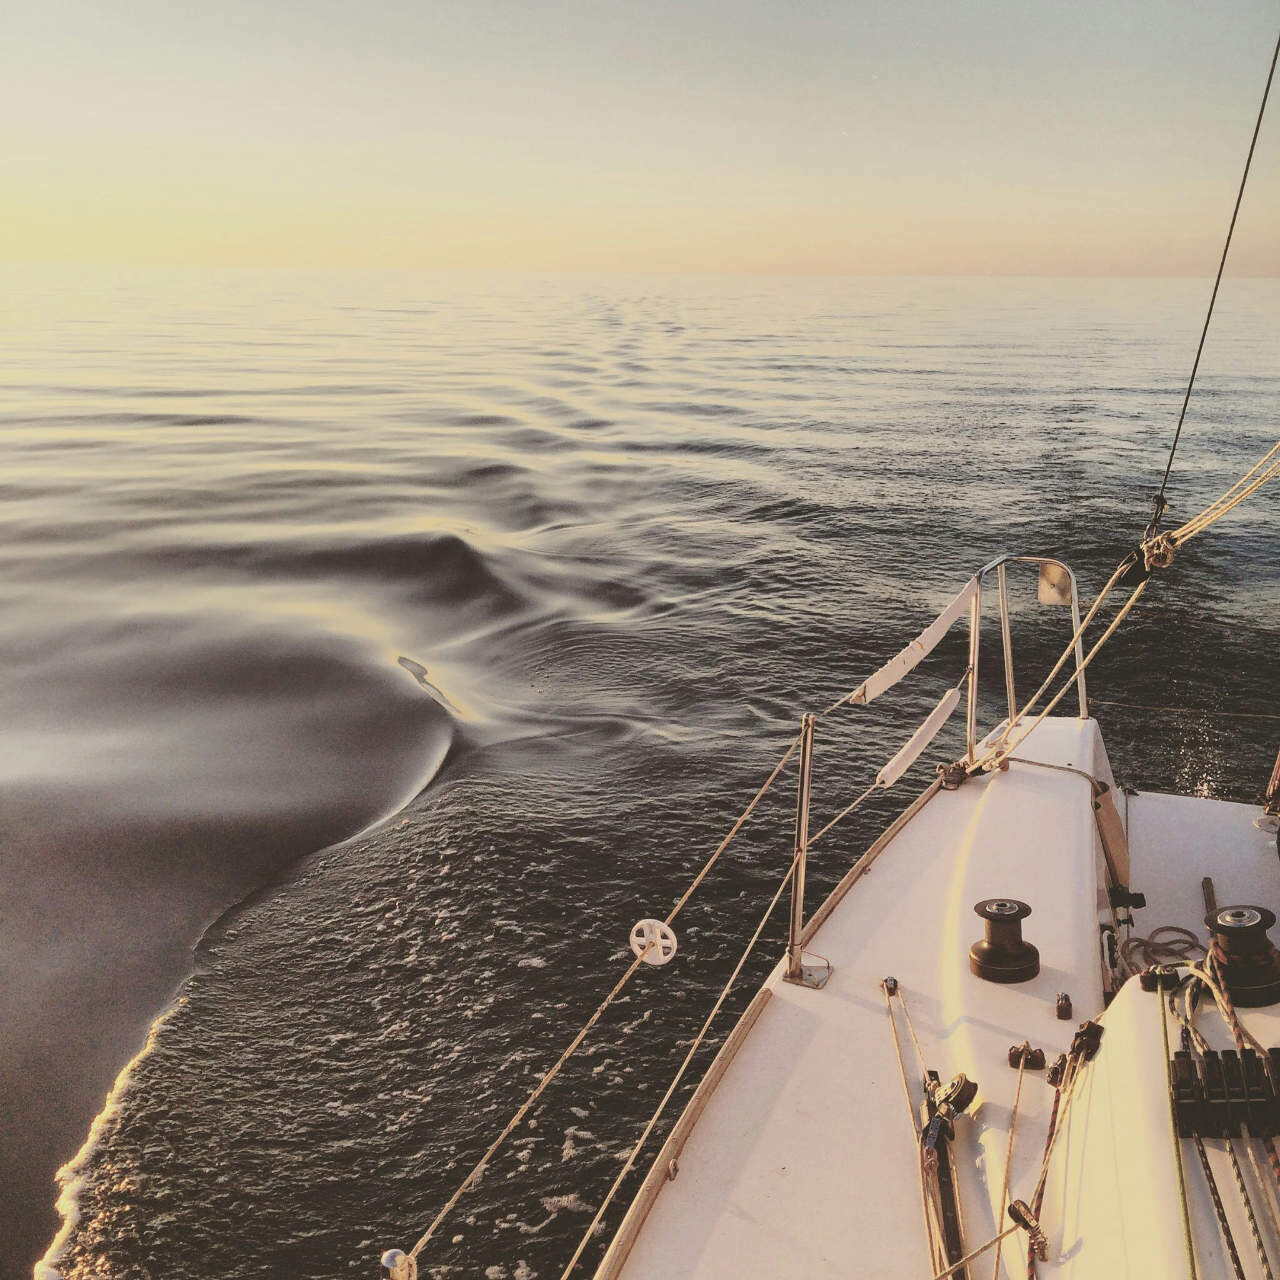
(1157, 552)
(1159, 549)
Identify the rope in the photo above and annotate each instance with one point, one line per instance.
(733, 831)
(1073, 1068)
(1238, 1174)
(1173, 1130)
(554, 1071)
(1120, 571)
(1249, 483)
(1008, 1153)
(1157, 551)
(1169, 944)
(1204, 333)
(911, 1030)
(1193, 1037)
(1241, 1035)
(1224, 1227)
(927, 1206)
(693, 1049)
(1217, 989)
(1063, 1096)
(528, 1102)
(1061, 1100)
(1236, 1171)
(1037, 1201)
(978, 1252)
(844, 813)
(902, 1066)
(1004, 747)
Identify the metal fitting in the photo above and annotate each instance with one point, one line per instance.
(1024, 1055)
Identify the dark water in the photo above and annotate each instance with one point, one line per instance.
(542, 572)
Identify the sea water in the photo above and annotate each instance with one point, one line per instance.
(379, 648)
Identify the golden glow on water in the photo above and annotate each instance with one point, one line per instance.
(616, 529)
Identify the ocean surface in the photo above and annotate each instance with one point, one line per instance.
(378, 648)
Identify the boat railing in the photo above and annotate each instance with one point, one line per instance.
(1056, 586)
(653, 941)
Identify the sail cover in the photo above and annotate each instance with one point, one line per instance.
(924, 735)
(919, 649)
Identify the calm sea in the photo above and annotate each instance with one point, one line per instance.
(378, 648)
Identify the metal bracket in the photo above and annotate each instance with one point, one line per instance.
(810, 975)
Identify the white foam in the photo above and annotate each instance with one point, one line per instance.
(74, 1175)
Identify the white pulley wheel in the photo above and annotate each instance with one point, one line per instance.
(657, 937)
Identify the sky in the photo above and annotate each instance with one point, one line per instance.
(902, 136)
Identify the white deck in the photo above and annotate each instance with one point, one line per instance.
(803, 1163)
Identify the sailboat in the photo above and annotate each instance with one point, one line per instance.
(1033, 1031)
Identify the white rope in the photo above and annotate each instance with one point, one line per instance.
(1227, 1012)
(1068, 651)
(1024, 1048)
(693, 1049)
(844, 813)
(1004, 748)
(1266, 469)
(1065, 1092)
(927, 1206)
(550, 1075)
(1159, 550)
(978, 1252)
(1243, 488)
(1247, 485)
(528, 1102)
(1188, 1237)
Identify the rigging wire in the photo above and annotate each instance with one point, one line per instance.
(1268, 469)
(684, 1066)
(479, 1168)
(1159, 501)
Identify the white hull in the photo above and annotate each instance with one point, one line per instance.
(799, 1159)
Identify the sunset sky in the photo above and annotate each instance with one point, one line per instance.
(935, 136)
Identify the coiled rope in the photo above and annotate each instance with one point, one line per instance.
(1169, 944)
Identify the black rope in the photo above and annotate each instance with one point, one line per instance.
(1159, 501)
